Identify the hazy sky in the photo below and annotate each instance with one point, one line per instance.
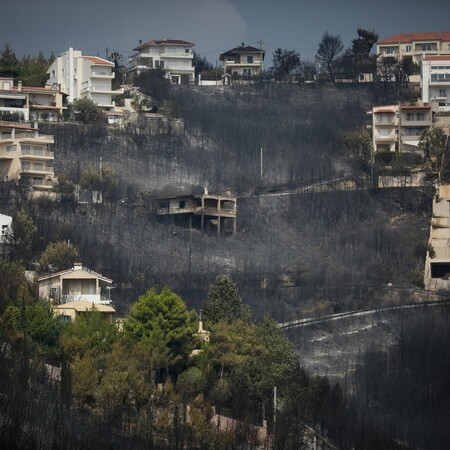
(213, 25)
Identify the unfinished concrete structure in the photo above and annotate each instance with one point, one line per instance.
(437, 265)
(212, 214)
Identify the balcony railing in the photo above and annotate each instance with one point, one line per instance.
(38, 153)
(33, 136)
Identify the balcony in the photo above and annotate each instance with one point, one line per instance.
(386, 122)
(92, 298)
(391, 137)
(37, 154)
(36, 169)
(104, 75)
(180, 55)
(41, 185)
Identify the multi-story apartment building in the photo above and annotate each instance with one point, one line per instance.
(414, 45)
(175, 57)
(399, 128)
(30, 103)
(81, 76)
(435, 81)
(243, 60)
(25, 156)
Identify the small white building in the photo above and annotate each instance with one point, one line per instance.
(435, 81)
(5, 227)
(243, 60)
(173, 56)
(81, 76)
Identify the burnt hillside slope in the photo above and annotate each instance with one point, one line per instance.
(293, 255)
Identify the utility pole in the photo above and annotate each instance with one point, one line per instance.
(261, 165)
(261, 67)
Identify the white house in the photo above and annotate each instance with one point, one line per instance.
(414, 45)
(174, 56)
(5, 226)
(435, 81)
(81, 76)
(243, 60)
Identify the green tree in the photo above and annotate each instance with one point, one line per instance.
(358, 145)
(201, 64)
(13, 282)
(433, 143)
(86, 111)
(23, 240)
(285, 62)
(154, 84)
(329, 48)
(106, 180)
(162, 322)
(362, 45)
(58, 256)
(224, 302)
(9, 64)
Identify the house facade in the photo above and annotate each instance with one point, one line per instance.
(399, 128)
(80, 76)
(26, 156)
(173, 56)
(435, 81)
(414, 45)
(31, 103)
(70, 311)
(77, 284)
(243, 60)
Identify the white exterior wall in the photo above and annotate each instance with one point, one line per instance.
(5, 226)
(435, 82)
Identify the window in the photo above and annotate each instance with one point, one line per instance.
(425, 47)
(390, 50)
(409, 117)
(407, 48)
(448, 47)
(182, 204)
(413, 131)
(4, 228)
(247, 72)
(26, 149)
(384, 132)
(53, 73)
(249, 59)
(37, 150)
(186, 50)
(442, 92)
(11, 148)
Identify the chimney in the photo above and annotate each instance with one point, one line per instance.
(77, 266)
(19, 86)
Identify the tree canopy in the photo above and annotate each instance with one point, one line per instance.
(285, 62)
(329, 48)
(224, 302)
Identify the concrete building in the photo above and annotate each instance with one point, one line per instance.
(414, 45)
(243, 60)
(212, 214)
(81, 76)
(398, 128)
(25, 156)
(437, 264)
(174, 56)
(5, 227)
(31, 103)
(77, 284)
(435, 81)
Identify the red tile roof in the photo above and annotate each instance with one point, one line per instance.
(155, 43)
(410, 37)
(416, 107)
(437, 58)
(97, 60)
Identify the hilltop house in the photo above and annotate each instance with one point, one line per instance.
(81, 76)
(30, 103)
(398, 128)
(208, 213)
(435, 81)
(77, 284)
(25, 156)
(243, 60)
(175, 57)
(414, 45)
